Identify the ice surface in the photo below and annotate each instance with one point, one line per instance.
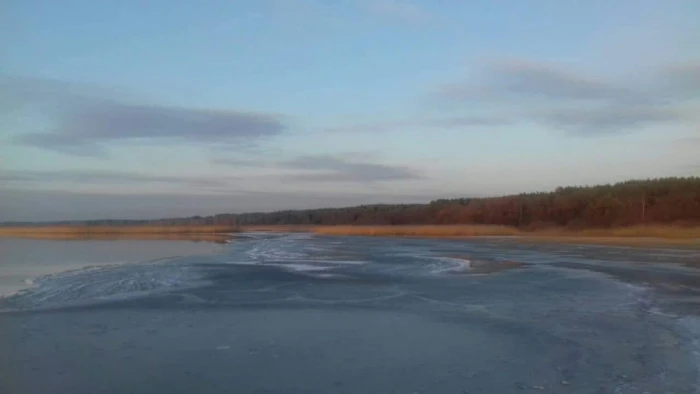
(281, 313)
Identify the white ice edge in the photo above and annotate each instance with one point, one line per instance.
(92, 283)
(298, 265)
(455, 264)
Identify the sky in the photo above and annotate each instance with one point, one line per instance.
(148, 109)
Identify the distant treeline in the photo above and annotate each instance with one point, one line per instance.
(653, 201)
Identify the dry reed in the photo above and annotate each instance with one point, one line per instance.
(72, 232)
(626, 235)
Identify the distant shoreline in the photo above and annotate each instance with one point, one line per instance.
(145, 232)
(627, 236)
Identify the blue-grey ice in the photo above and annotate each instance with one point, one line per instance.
(299, 313)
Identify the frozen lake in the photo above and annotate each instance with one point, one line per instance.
(298, 313)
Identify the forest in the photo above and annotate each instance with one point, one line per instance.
(673, 201)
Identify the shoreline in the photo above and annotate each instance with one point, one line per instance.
(623, 236)
(566, 239)
(213, 233)
(218, 238)
(588, 240)
(612, 240)
(627, 236)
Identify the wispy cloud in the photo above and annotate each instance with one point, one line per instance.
(238, 162)
(515, 78)
(604, 119)
(568, 100)
(97, 177)
(437, 123)
(326, 168)
(84, 124)
(359, 168)
(683, 79)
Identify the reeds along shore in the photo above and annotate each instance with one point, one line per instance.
(628, 236)
(636, 234)
(147, 232)
(488, 230)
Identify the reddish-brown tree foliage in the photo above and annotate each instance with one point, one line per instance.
(653, 201)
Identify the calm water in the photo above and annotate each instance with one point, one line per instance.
(297, 313)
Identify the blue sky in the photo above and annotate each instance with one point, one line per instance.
(170, 108)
